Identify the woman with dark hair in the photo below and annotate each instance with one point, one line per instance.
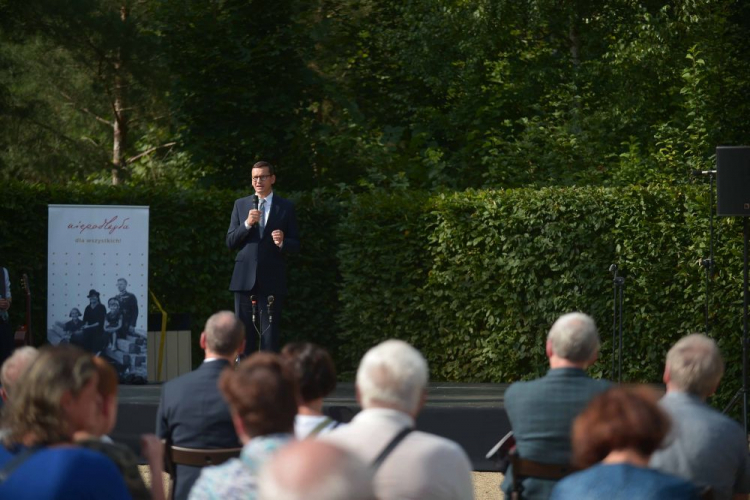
(74, 327)
(614, 437)
(261, 395)
(54, 398)
(316, 378)
(93, 323)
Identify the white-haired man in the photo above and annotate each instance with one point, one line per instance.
(541, 411)
(704, 446)
(314, 470)
(391, 389)
(14, 367)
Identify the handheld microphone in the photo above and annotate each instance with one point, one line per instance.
(270, 308)
(254, 301)
(255, 202)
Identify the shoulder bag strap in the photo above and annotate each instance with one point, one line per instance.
(15, 462)
(322, 425)
(388, 449)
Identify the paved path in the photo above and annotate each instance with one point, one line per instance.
(486, 484)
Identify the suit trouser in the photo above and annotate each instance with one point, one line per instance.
(266, 328)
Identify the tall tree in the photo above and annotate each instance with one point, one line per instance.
(114, 81)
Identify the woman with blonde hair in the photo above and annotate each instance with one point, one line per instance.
(54, 398)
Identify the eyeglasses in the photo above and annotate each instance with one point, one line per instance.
(260, 178)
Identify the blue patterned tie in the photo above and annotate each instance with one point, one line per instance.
(262, 221)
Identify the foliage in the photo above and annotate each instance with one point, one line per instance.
(474, 280)
(439, 94)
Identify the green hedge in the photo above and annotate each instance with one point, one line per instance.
(473, 279)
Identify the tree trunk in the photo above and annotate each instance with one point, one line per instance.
(121, 120)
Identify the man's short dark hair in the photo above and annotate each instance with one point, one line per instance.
(123, 279)
(312, 367)
(265, 164)
(263, 392)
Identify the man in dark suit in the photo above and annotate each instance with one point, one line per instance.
(263, 229)
(192, 412)
(128, 307)
(541, 411)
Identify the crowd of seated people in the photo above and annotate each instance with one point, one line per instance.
(61, 403)
(629, 445)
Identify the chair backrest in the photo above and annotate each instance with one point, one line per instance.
(523, 468)
(201, 457)
(195, 457)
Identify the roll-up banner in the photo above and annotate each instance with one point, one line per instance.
(97, 278)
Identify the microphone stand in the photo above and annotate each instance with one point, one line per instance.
(618, 287)
(709, 264)
(269, 301)
(744, 389)
(256, 319)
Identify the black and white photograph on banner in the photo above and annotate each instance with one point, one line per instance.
(98, 283)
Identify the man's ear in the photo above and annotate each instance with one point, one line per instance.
(202, 341)
(548, 349)
(422, 402)
(666, 377)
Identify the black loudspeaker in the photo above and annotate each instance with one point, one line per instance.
(733, 180)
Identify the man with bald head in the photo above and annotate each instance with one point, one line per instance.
(192, 412)
(315, 470)
(541, 411)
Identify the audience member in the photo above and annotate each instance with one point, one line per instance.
(391, 388)
(55, 397)
(614, 437)
(315, 470)
(14, 367)
(704, 446)
(192, 412)
(316, 378)
(262, 398)
(541, 411)
(95, 438)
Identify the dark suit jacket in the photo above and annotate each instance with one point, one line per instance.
(258, 258)
(541, 414)
(129, 308)
(193, 413)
